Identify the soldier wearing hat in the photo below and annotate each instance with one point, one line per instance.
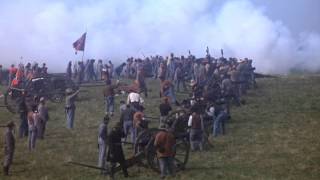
(23, 113)
(196, 125)
(179, 78)
(115, 152)
(33, 121)
(164, 143)
(126, 118)
(140, 80)
(102, 141)
(221, 114)
(167, 90)
(70, 106)
(44, 117)
(109, 93)
(9, 146)
(135, 100)
(164, 108)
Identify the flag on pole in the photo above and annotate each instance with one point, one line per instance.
(222, 52)
(79, 44)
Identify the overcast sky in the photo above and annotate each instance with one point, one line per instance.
(269, 31)
(298, 15)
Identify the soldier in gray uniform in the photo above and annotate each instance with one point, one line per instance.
(9, 146)
(44, 117)
(33, 121)
(70, 106)
(102, 142)
(196, 125)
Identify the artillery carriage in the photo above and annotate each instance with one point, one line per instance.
(144, 153)
(51, 87)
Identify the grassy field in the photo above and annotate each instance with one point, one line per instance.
(275, 136)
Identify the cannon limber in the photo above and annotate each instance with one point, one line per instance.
(51, 87)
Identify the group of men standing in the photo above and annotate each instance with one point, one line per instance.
(32, 125)
(16, 76)
(217, 82)
(89, 71)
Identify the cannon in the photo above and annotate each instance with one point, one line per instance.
(51, 87)
(144, 152)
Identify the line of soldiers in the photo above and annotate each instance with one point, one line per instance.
(88, 71)
(13, 76)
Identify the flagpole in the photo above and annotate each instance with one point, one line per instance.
(84, 47)
(82, 55)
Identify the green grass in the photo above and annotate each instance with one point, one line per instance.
(275, 136)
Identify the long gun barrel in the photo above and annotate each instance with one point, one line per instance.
(87, 165)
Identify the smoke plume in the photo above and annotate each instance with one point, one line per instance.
(44, 30)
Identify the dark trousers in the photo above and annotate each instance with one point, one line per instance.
(23, 129)
(166, 166)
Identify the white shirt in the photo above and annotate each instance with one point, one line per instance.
(190, 122)
(134, 97)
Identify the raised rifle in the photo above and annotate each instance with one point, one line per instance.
(207, 50)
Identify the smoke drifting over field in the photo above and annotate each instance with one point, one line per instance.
(44, 31)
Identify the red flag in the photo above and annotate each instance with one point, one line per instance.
(80, 43)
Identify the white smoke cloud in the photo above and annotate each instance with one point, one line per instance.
(44, 31)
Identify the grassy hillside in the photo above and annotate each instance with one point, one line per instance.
(275, 136)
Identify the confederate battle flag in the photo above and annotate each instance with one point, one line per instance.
(80, 43)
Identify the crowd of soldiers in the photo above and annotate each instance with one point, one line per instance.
(215, 84)
(33, 115)
(13, 75)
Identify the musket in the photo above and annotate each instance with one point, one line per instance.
(87, 165)
(125, 142)
(92, 85)
(207, 50)
(151, 117)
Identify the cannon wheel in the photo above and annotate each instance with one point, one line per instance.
(171, 118)
(182, 154)
(144, 143)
